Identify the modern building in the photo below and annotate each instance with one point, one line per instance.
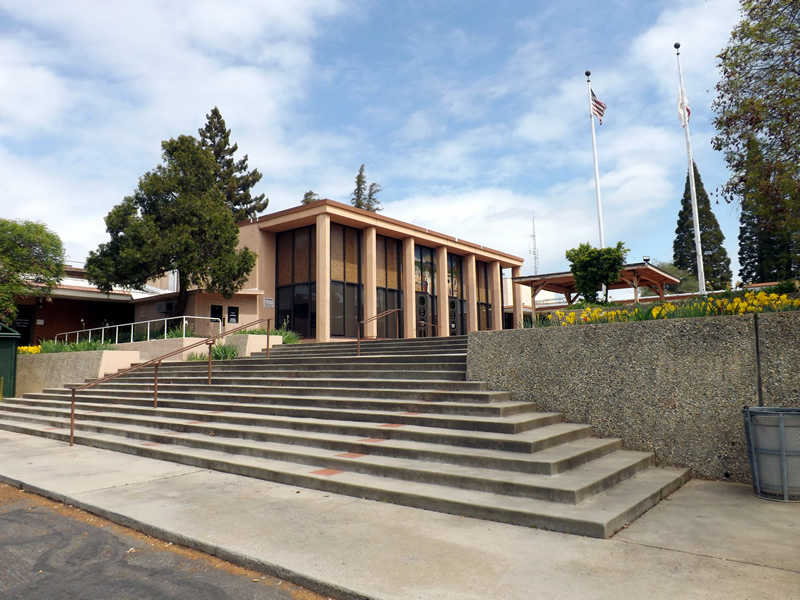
(329, 270)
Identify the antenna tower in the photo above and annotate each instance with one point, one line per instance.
(533, 249)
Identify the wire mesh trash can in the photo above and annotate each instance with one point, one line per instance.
(773, 448)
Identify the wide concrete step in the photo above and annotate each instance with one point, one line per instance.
(411, 395)
(309, 351)
(552, 449)
(511, 424)
(601, 515)
(221, 399)
(199, 380)
(430, 429)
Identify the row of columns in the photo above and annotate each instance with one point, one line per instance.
(408, 286)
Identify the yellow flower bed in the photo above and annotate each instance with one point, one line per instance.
(29, 349)
(751, 303)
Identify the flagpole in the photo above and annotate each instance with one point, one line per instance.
(596, 170)
(701, 277)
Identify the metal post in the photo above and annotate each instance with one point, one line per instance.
(72, 421)
(269, 322)
(596, 169)
(155, 386)
(701, 277)
(210, 344)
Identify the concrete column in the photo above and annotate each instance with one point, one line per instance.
(409, 291)
(266, 266)
(516, 294)
(442, 294)
(323, 278)
(470, 285)
(369, 269)
(496, 295)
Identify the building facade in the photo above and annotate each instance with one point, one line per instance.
(331, 271)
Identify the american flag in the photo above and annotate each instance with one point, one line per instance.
(598, 108)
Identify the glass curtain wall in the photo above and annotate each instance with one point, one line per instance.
(346, 288)
(457, 319)
(484, 306)
(388, 253)
(425, 286)
(296, 270)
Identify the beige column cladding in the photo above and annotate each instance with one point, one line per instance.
(496, 294)
(409, 290)
(516, 294)
(323, 283)
(471, 287)
(370, 283)
(442, 293)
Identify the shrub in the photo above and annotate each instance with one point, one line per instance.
(51, 347)
(29, 349)
(287, 335)
(218, 352)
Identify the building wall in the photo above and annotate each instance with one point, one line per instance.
(59, 315)
(673, 387)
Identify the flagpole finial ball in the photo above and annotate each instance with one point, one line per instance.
(588, 73)
(677, 45)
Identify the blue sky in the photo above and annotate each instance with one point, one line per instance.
(473, 116)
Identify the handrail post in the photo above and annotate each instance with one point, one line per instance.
(155, 385)
(72, 420)
(210, 344)
(269, 322)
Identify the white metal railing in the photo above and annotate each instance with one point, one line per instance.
(142, 329)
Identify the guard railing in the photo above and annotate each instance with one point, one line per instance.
(156, 362)
(385, 313)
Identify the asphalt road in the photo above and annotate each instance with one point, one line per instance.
(56, 552)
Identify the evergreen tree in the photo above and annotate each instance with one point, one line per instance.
(176, 220)
(769, 249)
(363, 196)
(309, 197)
(716, 263)
(232, 177)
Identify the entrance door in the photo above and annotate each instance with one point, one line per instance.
(24, 325)
(424, 314)
(457, 316)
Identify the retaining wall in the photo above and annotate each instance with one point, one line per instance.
(36, 372)
(674, 387)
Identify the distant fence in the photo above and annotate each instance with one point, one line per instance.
(674, 387)
(140, 331)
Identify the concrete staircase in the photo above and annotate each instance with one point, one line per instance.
(399, 424)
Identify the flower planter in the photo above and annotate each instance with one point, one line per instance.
(773, 449)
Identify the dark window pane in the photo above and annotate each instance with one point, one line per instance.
(284, 258)
(302, 248)
(337, 308)
(337, 253)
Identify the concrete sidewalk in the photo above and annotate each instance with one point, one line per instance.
(708, 540)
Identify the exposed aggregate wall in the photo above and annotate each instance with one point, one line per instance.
(674, 387)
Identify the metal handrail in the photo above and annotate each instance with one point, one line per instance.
(376, 317)
(132, 326)
(156, 362)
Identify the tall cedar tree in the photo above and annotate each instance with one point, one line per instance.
(176, 220)
(309, 197)
(232, 177)
(716, 264)
(363, 196)
(769, 247)
(757, 99)
(31, 264)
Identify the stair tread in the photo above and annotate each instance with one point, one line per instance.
(600, 515)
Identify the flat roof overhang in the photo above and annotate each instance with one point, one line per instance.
(342, 214)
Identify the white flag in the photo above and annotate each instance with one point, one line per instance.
(683, 101)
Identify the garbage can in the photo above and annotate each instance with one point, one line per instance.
(773, 449)
(8, 361)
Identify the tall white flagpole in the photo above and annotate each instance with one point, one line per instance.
(596, 170)
(683, 104)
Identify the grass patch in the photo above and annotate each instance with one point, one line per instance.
(51, 347)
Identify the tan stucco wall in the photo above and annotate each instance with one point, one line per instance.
(36, 372)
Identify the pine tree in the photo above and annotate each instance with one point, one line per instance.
(769, 236)
(716, 263)
(364, 197)
(232, 177)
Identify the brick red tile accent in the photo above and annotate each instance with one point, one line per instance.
(151, 444)
(350, 455)
(373, 440)
(326, 472)
(392, 425)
